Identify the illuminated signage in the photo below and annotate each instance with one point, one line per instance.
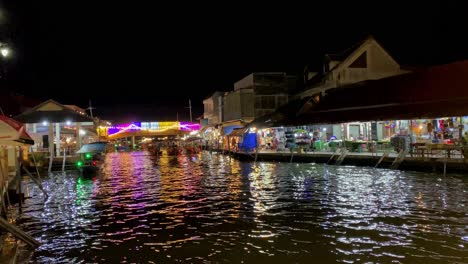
(153, 126)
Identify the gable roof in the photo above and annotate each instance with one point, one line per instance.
(342, 55)
(51, 111)
(345, 55)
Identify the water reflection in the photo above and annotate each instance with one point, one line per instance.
(213, 208)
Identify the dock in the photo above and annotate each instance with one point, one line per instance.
(384, 160)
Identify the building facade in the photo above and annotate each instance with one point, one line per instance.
(212, 109)
(366, 60)
(239, 105)
(257, 94)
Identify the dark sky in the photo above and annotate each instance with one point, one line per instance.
(143, 60)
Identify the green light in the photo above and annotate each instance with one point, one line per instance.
(88, 155)
(79, 163)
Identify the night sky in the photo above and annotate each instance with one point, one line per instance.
(141, 60)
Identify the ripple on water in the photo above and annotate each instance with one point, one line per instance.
(214, 208)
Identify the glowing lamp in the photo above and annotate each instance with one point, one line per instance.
(5, 52)
(88, 155)
(79, 164)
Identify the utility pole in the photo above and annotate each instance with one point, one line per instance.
(190, 109)
(177, 116)
(90, 108)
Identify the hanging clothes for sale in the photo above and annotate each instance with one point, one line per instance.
(429, 127)
(441, 124)
(450, 123)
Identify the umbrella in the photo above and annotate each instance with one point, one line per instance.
(94, 147)
(13, 132)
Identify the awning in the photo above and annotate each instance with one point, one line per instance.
(403, 111)
(282, 116)
(52, 112)
(238, 123)
(205, 129)
(94, 147)
(228, 129)
(237, 132)
(13, 132)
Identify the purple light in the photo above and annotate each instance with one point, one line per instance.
(187, 126)
(121, 127)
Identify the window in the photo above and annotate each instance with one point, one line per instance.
(282, 100)
(268, 102)
(360, 62)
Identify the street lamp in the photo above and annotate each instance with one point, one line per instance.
(5, 51)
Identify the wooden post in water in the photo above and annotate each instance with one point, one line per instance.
(18, 175)
(2, 186)
(23, 236)
(256, 153)
(35, 165)
(39, 184)
(78, 135)
(64, 156)
(445, 162)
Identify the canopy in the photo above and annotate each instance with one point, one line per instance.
(237, 132)
(13, 132)
(94, 147)
(52, 112)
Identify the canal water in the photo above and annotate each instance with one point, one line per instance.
(212, 208)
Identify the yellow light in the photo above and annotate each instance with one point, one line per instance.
(420, 127)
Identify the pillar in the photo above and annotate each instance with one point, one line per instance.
(78, 136)
(57, 138)
(133, 142)
(51, 145)
(51, 139)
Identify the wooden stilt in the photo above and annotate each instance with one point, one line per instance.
(386, 153)
(256, 153)
(35, 165)
(36, 181)
(445, 163)
(18, 233)
(64, 157)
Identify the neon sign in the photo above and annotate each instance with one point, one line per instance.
(153, 126)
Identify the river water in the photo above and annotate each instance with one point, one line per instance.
(212, 208)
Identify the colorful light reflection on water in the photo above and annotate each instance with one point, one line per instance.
(214, 208)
